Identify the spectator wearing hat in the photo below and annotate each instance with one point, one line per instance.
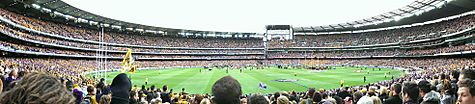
(120, 89)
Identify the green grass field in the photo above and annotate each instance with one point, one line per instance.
(195, 81)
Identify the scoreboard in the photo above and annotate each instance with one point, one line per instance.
(280, 32)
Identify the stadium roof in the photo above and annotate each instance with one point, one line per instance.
(416, 12)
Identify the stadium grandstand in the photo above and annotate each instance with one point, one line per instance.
(53, 52)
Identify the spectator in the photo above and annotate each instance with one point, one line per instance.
(101, 83)
(357, 96)
(258, 99)
(308, 97)
(1, 86)
(427, 93)
(41, 88)
(394, 98)
(91, 95)
(105, 99)
(283, 100)
(410, 93)
(466, 91)
(165, 95)
(376, 100)
(11, 77)
(383, 93)
(120, 89)
(447, 93)
(365, 100)
(78, 93)
(227, 90)
(274, 98)
(466, 73)
(205, 101)
(317, 97)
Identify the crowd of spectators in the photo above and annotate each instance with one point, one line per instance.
(309, 54)
(411, 33)
(84, 33)
(407, 34)
(62, 81)
(24, 35)
(441, 81)
(368, 53)
(428, 31)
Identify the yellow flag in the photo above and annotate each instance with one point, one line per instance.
(126, 61)
(132, 70)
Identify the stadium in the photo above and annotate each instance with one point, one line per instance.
(57, 52)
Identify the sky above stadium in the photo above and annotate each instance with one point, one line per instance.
(237, 15)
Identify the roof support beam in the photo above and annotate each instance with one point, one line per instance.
(395, 13)
(384, 16)
(421, 3)
(331, 26)
(303, 30)
(341, 26)
(313, 29)
(404, 11)
(410, 6)
(376, 18)
(367, 20)
(323, 28)
(425, 4)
